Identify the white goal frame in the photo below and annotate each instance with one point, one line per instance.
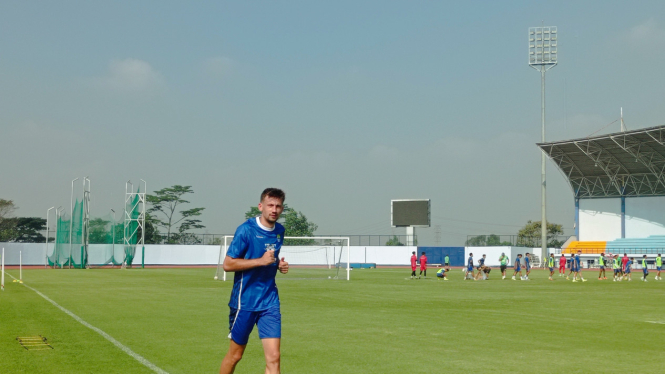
(224, 246)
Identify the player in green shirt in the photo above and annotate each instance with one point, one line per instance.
(550, 264)
(601, 262)
(446, 261)
(659, 265)
(645, 268)
(503, 260)
(616, 265)
(442, 274)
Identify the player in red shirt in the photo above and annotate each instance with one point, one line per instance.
(413, 264)
(562, 265)
(624, 261)
(423, 265)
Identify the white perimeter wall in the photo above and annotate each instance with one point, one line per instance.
(33, 254)
(600, 219)
(645, 216)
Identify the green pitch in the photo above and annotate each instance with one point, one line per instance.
(379, 322)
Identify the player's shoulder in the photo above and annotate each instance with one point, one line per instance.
(248, 225)
(279, 228)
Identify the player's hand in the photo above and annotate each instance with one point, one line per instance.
(283, 266)
(268, 257)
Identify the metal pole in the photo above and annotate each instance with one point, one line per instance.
(58, 212)
(113, 240)
(71, 221)
(543, 220)
(2, 280)
(47, 234)
(145, 194)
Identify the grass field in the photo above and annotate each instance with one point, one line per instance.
(379, 322)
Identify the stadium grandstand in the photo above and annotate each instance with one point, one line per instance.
(618, 183)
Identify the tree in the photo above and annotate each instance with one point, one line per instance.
(486, 241)
(394, 241)
(165, 202)
(23, 230)
(151, 234)
(529, 235)
(7, 207)
(295, 223)
(99, 231)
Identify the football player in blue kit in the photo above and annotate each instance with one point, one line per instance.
(254, 257)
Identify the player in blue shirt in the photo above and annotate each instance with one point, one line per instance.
(627, 270)
(527, 266)
(481, 264)
(518, 266)
(253, 256)
(469, 267)
(571, 266)
(578, 266)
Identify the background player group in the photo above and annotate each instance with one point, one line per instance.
(622, 267)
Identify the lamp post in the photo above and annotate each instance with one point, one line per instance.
(113, 240)
(48, 211)
(58, 213)
(71, 222)
(543, 56)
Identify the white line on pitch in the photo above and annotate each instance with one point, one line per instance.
(108, 337)
(658, 322)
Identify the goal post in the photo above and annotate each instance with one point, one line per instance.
(311, 257)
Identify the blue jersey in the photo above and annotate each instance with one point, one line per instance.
(577, 261)
(527, 262)
(470, 262)
(628, 264)
(255, 289)
(481, 261)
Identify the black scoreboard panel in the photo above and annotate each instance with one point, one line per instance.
(414, 213)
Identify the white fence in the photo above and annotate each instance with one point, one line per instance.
(165, 254)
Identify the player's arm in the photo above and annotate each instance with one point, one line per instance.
(240, 264)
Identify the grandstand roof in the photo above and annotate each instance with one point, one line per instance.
(630, 163)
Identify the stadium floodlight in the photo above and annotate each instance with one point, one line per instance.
(48, 211)
(543, 55)
(113, 235)
(71, 221)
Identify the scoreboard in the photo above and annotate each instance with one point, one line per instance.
(410, 213)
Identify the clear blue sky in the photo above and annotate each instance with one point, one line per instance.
(344, 104)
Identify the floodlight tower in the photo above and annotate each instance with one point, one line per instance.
(543, 56)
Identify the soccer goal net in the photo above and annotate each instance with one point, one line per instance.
(309, 257)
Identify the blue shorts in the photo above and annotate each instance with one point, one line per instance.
(658, 268)
(440, 275)
(602, 267)
(518, 269)
(470, 268)
(645, 271)
(627, 271)
(528, 268)
(241, 324)
(551, 269)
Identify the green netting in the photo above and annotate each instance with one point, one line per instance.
(105, 238)
(69, 246)
(131, 228)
